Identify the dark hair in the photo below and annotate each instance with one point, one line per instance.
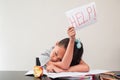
(77, 53)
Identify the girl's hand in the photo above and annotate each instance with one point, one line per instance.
(71, 32)
(50, 68)
(54, 69)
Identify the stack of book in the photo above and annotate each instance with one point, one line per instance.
(85, 77)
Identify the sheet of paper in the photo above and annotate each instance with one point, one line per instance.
(82, 16)
(73, 74)
(30, 72)
(68, 74)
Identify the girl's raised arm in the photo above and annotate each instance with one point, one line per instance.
(67, 58)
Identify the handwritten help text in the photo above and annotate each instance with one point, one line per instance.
(82, 16)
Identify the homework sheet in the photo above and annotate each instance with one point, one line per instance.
(68, 74)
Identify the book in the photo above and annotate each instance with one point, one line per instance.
(85, 77)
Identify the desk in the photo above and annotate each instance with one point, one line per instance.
(19, 75)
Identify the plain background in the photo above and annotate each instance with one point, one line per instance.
(28, 27)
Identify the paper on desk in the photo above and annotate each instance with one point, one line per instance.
(68, 74)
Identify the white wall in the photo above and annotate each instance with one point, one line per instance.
(27, 27)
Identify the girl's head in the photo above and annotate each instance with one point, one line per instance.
(60, 48)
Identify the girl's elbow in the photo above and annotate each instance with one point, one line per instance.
(87, 68)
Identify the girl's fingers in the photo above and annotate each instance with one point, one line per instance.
(70, 28)
(71, 32)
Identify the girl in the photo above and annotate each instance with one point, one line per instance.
(66, 55)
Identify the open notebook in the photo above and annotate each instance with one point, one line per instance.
(68, 74)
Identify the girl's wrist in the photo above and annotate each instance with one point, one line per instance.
(72, 38)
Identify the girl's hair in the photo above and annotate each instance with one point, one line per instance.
(77, 53)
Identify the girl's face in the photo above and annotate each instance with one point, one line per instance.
(57, 53)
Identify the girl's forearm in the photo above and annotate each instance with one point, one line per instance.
(79, 68)
(68, 54)
(57, 69)
(53, 68)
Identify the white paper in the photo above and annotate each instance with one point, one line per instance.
(82, 16)
(30, 72)
(68, 74)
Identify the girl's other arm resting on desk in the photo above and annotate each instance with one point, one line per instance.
(53, 68)
(81, 67)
